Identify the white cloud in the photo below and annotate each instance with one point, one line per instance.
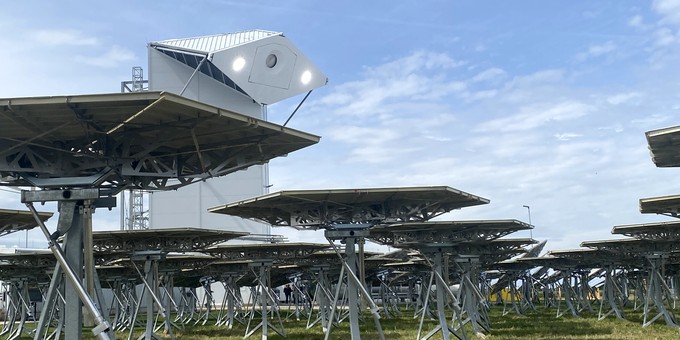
(357, 134)
(533, 87)
(417, 61)
(57, 58)
(534, 116)
(65, 37)
(479, 95)
(111, 58)
(616, 127)
(370, 145)
(623, 98)
(439, 139)
(653, 121)
(597, 51)
(566, 136)
(541, 77)
(511, 145)
(665, 37)
(379, 154)
(421, 76)
(668, 9)
(636, 21)
(493, 73)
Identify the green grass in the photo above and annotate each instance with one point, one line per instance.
(544, 325)
(537, 325)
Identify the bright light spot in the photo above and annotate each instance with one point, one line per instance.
(238, 64)
(306, 77)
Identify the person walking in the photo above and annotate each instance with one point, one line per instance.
(286, 292)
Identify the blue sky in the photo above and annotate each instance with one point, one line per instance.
(539, 103)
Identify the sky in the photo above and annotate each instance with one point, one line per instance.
(527, 103)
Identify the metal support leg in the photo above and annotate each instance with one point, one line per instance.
(657, 292)
(208, 300)
(322, 298)
(21, 285)
(266, 300)
(568, 294)
(168, 287)
(150, 281)
(51, 300)
(75, 292)
(443, 292)
(228, 310)
(355, 287)
(473, 298)
(611, 296)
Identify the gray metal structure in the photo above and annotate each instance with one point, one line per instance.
(132, 212)
(16, 220)
(262, 257)
(466, 242)
(664, 205)
(514, 271)
(347, 215)
(151, 246)
(651, 255)
(83, 149)
(147, 140)
(664, 146)
(321, 209)
(19, 271)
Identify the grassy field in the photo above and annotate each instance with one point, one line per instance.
(538, 325)
(544, 325)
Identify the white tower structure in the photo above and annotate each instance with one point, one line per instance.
(133, 216)
(241, 72)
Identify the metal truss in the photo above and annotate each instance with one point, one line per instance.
(121, 242)
(268, 304)
(76, 207)
(207, 303)
(232, 306)
(276, 252)
(356, 289)
(167, 287)
(569, 296)
(473, 304)
(658, 295)
(387, 212)
(613, 295)
(187, 306)
(14, 220)
(150, 295)
(313, 209)
(18, 309)
(445, 298)
(445, 232)
(124, 303)
(145, 140)
(323, 298)
(388, 297)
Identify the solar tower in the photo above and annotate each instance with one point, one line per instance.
(242, 72)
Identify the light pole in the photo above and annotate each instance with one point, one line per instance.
(531, 234)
